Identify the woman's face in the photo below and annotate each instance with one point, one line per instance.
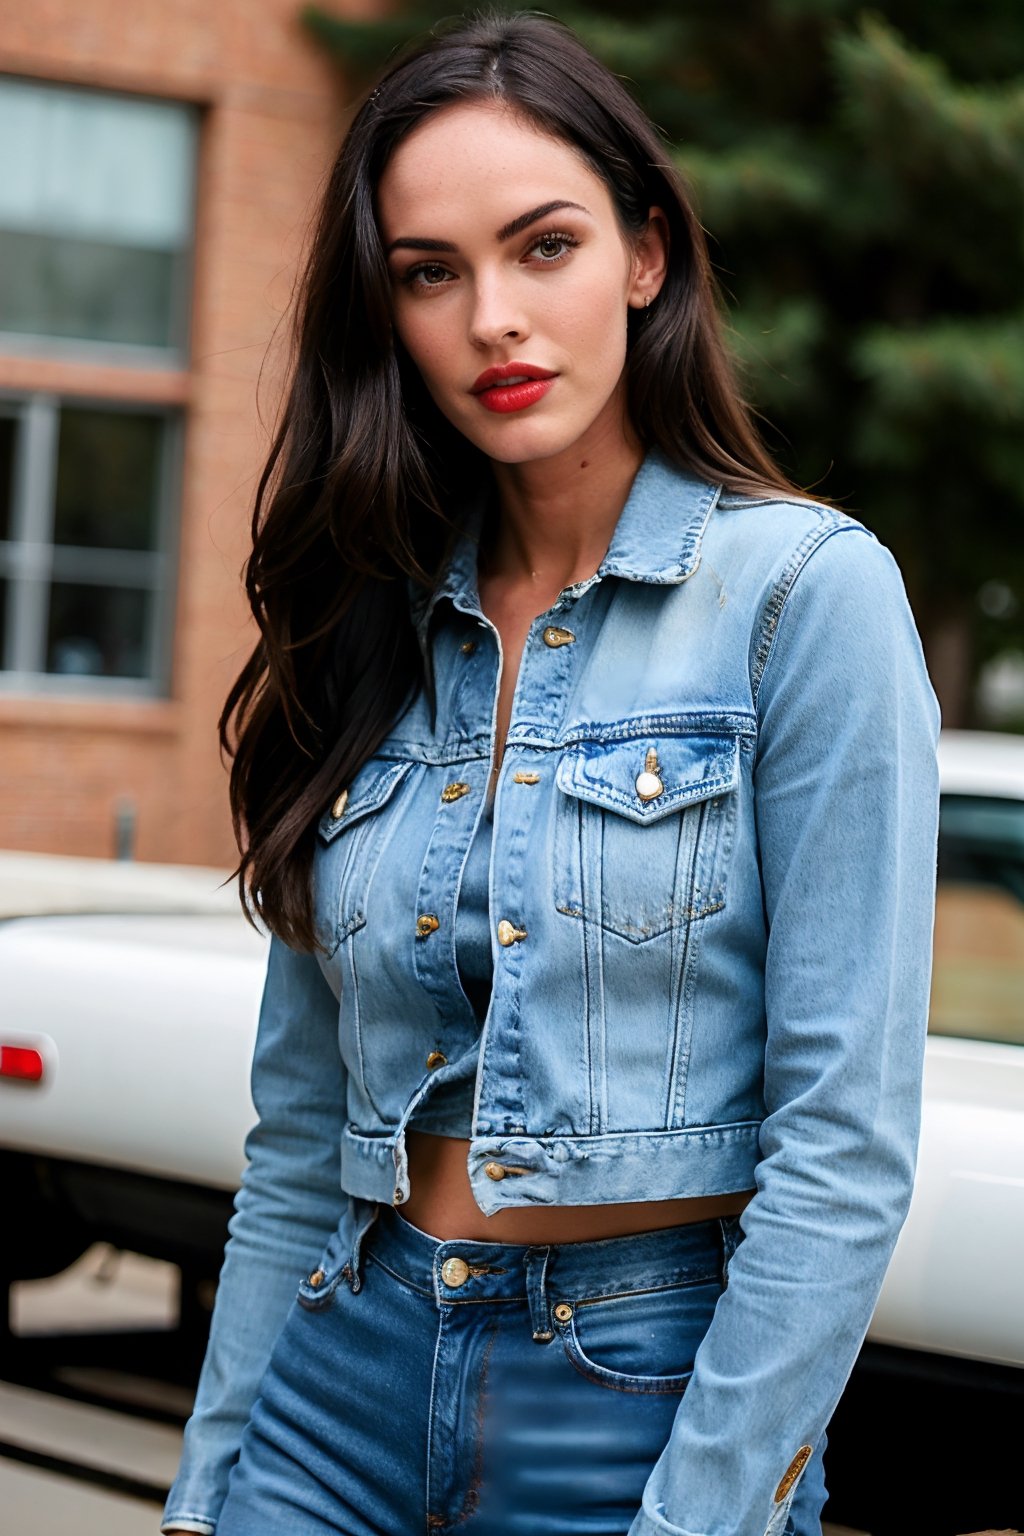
(503, 249)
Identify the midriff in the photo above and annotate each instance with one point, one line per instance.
(441, 1203)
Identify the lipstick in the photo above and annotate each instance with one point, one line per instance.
(512, 386)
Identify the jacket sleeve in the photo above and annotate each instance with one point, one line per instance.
(289, 1202)
(846, 807)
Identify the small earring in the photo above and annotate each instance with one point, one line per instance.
(647, 300)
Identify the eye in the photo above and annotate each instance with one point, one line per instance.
(553, 247)
(429, 274)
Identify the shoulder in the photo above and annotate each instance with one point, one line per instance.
(779, 533)
(789, 547)
(812, 570)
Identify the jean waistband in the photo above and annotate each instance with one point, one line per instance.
(462, 1271)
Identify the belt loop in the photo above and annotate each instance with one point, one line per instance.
(732, 1236)
(536, 1260)
(362, 1223)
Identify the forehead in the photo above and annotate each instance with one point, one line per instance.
(479, 158)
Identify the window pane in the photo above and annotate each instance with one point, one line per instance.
(978, 980)
(96, 196)
(89, 290)
(108, 479)
(8, 433)
(98, 631)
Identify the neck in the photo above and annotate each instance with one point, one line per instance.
(557, 516)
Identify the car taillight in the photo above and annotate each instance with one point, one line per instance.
(19, 1061)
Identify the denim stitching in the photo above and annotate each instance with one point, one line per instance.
(779, 595)
(617, 1381)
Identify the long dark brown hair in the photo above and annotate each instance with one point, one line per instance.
(358, 492)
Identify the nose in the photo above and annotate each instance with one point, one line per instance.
(496, 315)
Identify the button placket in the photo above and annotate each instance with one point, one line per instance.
(546, 668)
(458, 807)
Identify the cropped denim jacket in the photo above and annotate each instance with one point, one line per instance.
(711, 895)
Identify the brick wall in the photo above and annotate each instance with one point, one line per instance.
(272, 115)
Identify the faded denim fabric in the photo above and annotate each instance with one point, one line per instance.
(721, 987)
(538, 1386)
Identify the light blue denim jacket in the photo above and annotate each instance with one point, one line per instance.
(720, 986)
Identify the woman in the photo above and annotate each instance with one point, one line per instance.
(585, 776)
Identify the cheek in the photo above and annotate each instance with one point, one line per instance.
(592, 328)
(423, 342)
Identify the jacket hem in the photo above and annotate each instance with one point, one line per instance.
(619, 1166)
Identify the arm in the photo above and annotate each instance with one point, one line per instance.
(846, 799)
(289, 1202)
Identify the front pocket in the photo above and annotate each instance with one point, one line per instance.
(639, 1341)
(347, 850)
(642, 830)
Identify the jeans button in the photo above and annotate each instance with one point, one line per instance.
(454, 1272)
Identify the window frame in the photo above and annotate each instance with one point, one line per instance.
(30, 562)
(978, 799)
(123, 354)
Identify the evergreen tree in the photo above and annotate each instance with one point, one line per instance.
(862, 178)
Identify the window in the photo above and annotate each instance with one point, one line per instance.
(96, 227)
(86, 499)
(978, 980)
(96, 217)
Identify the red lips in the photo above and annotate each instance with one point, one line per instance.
(503, 371)
(512, 386)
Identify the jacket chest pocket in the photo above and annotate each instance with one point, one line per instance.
(642, 831)
(348, 847)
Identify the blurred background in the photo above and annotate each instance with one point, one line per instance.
(860, 172)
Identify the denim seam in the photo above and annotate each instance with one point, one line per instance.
(671, 1281)
(617, 1381)
(676, 1095)
(373, 1258)
(430, 1412)
(779, 594)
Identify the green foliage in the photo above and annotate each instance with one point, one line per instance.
(862, 178)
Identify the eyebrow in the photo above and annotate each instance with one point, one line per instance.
(506, 232)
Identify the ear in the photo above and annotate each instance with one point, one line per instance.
(650, 260)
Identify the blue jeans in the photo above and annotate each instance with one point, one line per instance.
(501, 1389)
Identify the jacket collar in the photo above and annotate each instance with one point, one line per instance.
(657, 539)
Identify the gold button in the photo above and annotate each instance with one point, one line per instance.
(494, 1170)
(508, 933)
(555, 637)
(426, 924)
(338, 808)
(792, 1472)
(525, 776)
(467, 647)
(454, 792)
(454, 1272)
(648, 783)
(563, 1312)
(437, 1059)
(317, 1278)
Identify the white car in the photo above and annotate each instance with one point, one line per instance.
(128, 1012)
(956, 1281)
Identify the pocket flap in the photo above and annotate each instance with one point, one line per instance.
(372, 787)
(690, 768)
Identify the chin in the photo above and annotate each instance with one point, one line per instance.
(525, 442)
